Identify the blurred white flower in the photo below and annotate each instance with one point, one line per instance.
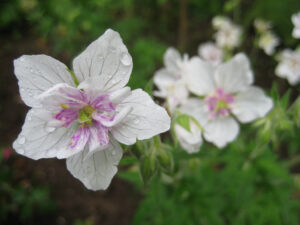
(211, 53)
(170, 80)
(268, 41)
(187, 129)
(228, 34)
(227, 90)
(289, 66)
(262, 26)
(85, 123)
(296, 22)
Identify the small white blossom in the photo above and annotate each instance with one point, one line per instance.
(228, 34)
(170, 80)
(227, 91)
(211, 53)
(262, 26)
(296, 22)
(189, 135)
(289, 66)
(84, 123)
(268, 41)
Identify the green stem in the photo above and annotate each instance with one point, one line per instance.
(73, 77)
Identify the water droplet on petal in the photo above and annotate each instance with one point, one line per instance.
(109, 76)
(21, 151)
(31, 70)
(22, 59)
(50, 129)
(21, 140)
(113, 152)
(136, 121)
(100, 57)
(30, 94)
(126, 59)
(114, 81)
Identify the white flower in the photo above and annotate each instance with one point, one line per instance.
(262, 26)
(296, 22)
(227, 90)
(228, 34)
(289, 66)
(84, 123)
(187, 130)
(211, 53)
(268, 41)
(170, 79)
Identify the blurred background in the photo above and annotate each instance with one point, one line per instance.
(213, 190)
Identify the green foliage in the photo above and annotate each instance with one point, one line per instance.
(217, 190)
(20, 201)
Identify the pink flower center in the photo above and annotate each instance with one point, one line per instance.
(219, 104)
(91, 113)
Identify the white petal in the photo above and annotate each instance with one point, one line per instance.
(106, 61)
(119, 95)
(251, 104)
(38, 73)
(163, 79)
(96, 171)
(145, 120)
(221, 131)
(172, 58)
(38, 140)
(199, 76)
(189, 141)
(235, 75)
(197, 108)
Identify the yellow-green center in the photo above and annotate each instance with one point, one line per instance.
(85, 115)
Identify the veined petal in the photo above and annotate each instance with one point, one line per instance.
(163, 79)
(96, 171)
(38, 73)
(39, 140)
(98, 138)
(199, 76)
(80, 138)
(112, 121)
(197, 108)
(118, 96)
(145, 120)
(234, 75)
(251, 104)
(221, 131)
(172, 58)
(105, 64)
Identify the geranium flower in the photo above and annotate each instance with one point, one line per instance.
(268, 41)
(228, 34)
(289, 66)
(82, 115)
(211, 53)
(170, 80)
(296, 22)
(225, 91)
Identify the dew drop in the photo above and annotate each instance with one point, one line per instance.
(114, 81)
(22, 89)
(113, 152)
(126, 59)
(21, 151)
(136, 121)
(22, 59)
(29, 118)
(21, 140)
(100, 57)
(31, 70)
(50, 129)
(112, 49)
(30, 94)
(109, 76)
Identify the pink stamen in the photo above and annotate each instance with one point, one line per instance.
(218, 104)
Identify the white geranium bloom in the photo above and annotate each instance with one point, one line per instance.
(211, 53)
(84, 123)
(296, 22)
(228, 34)
(170, 79)
(289, 66)
(262, 26)
(227, 90)
(268, 41)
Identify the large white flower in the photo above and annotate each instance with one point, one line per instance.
(289, 66)
(227, 91)
(296, 22)
(228, 34)
(268, 41)
(211, 53)
(84, 123)
(170, 80)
